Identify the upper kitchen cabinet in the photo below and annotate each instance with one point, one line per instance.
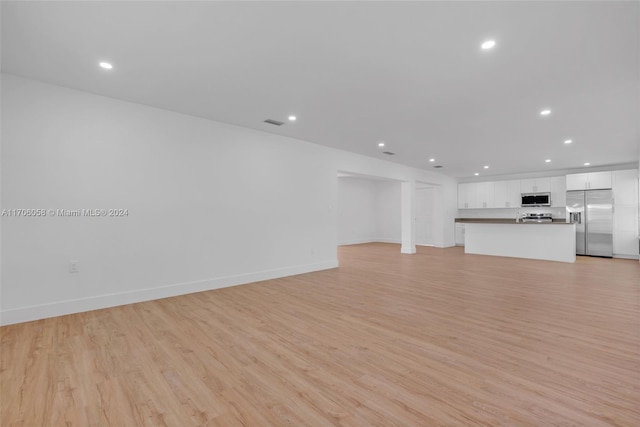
(486, 194)
(475, 195)
(463, 196)
(600, 180)
(558, 191)
(535, 185)
(589, 181)
(507, 194)
(625, 187)
(578, 181)
(468, 196)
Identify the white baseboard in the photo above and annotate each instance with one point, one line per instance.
(397, 242)
(383, 240)
(625, 256)
(439, 245)
(358, 241)
(60, 308)
(444, 244)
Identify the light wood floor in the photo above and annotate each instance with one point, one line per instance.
(433, 339)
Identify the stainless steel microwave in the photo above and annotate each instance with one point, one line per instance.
(536, 199)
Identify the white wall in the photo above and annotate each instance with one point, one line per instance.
(356, 210)
(209, 204)
(425, 205)
(354, 220)
(368, 211)
(388, 217)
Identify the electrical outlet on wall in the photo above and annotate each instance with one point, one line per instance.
(73, 266)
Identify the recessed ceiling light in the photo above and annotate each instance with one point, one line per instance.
(432, 160)
(568, 141)
(488, 44)
(587, 164)
(106, 65)
(292, 118)
(476, 174)
(545, 112)
(380, 144)
(486, 166)
(548, 161)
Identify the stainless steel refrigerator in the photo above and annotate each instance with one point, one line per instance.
(592, 211)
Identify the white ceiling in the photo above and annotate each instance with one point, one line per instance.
(409, 73)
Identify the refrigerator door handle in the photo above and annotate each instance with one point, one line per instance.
(576, 217)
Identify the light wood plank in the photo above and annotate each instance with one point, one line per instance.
(436, 338)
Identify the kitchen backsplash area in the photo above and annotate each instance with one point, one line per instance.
(558, 213)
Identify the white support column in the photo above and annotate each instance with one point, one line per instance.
(408, 213)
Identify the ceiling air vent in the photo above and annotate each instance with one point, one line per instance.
(274, 122)
(438, 166)
(388, 153)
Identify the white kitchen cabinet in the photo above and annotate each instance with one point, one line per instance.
(625, 245)
(543, 185)
(490, 194)
(475, 195)
(459, 234)
(500, 194)
(486, 194)
(527, 185)
(507, 194)
(514, 194)
(558, 191)
(625, 213)
(468, 197)
(625, 187)
(589, 181)
(600, 180)
(535, 185)
(473, 198)
(463, 190)
(577, 181)
(625, 231)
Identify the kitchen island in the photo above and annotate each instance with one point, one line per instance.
(552, 241)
